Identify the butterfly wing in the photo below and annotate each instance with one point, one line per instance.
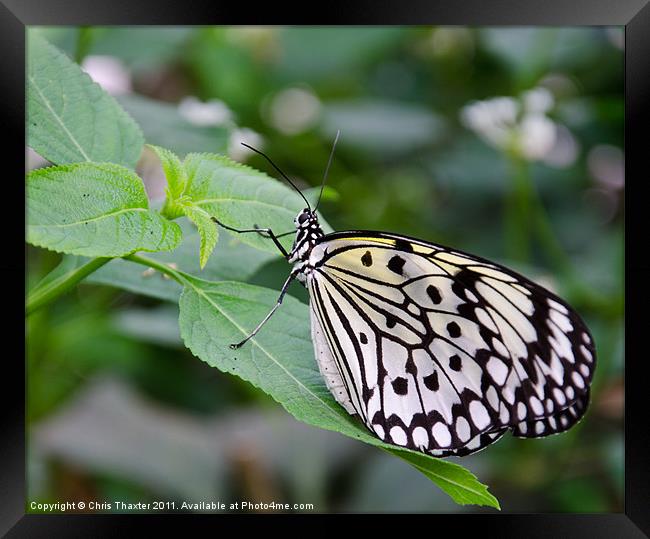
(442, 351)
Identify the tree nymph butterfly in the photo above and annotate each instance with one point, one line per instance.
(433, 348)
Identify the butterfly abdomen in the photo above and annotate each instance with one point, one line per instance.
(327, 365)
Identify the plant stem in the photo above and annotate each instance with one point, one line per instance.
(162, 268)
(548, 239)
(518, 210)
(529, 216)
(526, 216)
(41, 296)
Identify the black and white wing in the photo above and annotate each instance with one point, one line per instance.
(441, 351)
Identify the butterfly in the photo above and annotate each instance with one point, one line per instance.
(435, 349)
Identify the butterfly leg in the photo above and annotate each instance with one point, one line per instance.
(252, 334)
(264, 232)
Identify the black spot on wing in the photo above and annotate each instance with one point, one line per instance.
(363, 338)
(396, 264)
(455, 363)
(367, 393)
(400, 385)
(434, 294)
(366, 259)
(431, 381)
(390, 321)
(403, 245)
(453, 329)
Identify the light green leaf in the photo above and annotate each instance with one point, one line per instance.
(94, 209)
(207, 230)
(176, 204)
(231, 259)
(240, 197)
(209, 185)
(174, 171)
(70, 118)
(176, 181)
(280, 361)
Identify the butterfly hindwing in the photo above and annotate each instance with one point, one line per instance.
(441, 351)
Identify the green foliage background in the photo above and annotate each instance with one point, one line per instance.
(405, 163)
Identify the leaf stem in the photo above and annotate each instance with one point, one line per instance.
(41, 296)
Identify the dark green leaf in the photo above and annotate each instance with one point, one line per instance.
(69, 117)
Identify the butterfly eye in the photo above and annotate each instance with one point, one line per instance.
(302, 218)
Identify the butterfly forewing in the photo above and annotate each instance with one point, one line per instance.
(442, 351)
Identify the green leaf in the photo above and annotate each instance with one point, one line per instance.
(176, 181)
(209, 185)
(94, 209)
(164, 126)
(461, 484)
(280, 361)
(207, 230)
(174, 171)
(231, 259)
(241, 197)
(70, 117)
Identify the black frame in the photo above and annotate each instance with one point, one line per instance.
(633, 14)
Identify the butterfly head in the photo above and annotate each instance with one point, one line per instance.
(306, 219)
(308, 230)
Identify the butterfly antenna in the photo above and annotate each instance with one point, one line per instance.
(278, 169)
(327, 168)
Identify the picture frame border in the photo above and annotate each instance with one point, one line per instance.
(633, 15)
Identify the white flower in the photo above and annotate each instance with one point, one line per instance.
(239, 152)
(209, 113)
(519, 124)
(536, 136)
(565, 150)
(294, 110)
(109, 72)
(493, 120)
(538, 100)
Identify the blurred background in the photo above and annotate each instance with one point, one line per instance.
(504, 142)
